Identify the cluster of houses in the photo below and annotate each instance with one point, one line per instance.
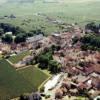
(82, 67)
(30, 43)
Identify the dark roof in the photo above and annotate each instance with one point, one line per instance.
(34, 38)
(35, 96)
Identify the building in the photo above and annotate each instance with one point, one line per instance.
(33, 41)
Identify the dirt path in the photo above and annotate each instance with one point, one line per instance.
(10, 62)
(20, 68)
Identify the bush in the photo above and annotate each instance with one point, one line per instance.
(42, 89)
(75, 40)
(7, 38)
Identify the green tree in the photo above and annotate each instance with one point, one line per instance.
(54, 66)
(37, 32)
(43, 61)
(24, 97)
(7, 38)
(30, 34)
(75, 39)
(1, 31)
(91, 42)
(20, 38)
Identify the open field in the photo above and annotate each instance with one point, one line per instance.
(0, 56)
(34, 76)
(17, 58)
(69, 11)
(12, 84)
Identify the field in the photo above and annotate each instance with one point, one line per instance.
(69, 11)
(34, 76)
(11, 82)
(17, 58)
(14, 83)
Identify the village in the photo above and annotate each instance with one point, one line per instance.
(80, 70)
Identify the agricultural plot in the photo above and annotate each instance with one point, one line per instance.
(69, 11)
(34, 76)
(12, 84)
(18, 57)
(0, 56)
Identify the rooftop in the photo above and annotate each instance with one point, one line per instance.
(34, 38)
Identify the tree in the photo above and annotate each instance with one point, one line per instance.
(93, 27)
(91, 42)
(11, 28)
(24, 97)
(75, 39)
(82, 64)
(1, 31)
(20, 38)
(17, 30)
(55, 47)
(7, 38)
(43, 61)
(30, 34)
(37, 32)
(53, 66)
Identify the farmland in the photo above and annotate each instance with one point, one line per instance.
(11, 82)
(14, 83)
(67, 11)
(18, 57)
(47, 16)
(34, 76)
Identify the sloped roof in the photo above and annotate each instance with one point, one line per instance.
(34, 38)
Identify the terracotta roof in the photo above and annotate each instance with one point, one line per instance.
(96, 82)
(97, 68)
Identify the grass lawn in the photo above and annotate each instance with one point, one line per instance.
(12, 84)
(34, 76)
(17, 58)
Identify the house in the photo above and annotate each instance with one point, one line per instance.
(35, 96)
(34, 38)
(56, 38)
(96, 83)
(49, 86)
(33, 41)
(58, 94)
(94, 74)
(9, 33)
(81, 79)
(73, 91)
(94, 94)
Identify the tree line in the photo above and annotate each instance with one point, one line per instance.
(46, 61)
(93, 27)
(90, 41)
(18, 34)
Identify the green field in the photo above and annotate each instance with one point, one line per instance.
(14, 83)
(11, 82)
(69, 11)
(34, 76)
(17, 58)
